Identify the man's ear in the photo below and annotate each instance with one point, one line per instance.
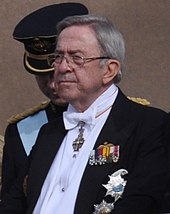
(112, 69)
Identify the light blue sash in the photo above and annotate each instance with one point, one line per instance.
(29, 127)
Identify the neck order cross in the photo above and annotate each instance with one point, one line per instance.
(78, 142)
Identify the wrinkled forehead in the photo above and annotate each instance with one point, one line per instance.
(80, 38)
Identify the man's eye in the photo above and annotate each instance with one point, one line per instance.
(77, 57)
(57, 56)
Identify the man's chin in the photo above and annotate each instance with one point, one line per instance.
(59, 101)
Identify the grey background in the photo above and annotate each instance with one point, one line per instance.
(145, 25)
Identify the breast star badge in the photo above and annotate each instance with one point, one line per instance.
(116, 184)
(115, 188)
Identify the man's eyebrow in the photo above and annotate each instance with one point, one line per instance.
(70, 52)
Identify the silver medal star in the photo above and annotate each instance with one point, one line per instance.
(116, 184)
(103, 208)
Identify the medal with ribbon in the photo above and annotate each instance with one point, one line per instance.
(106, 153)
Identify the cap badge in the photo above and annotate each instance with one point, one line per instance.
(41, 45)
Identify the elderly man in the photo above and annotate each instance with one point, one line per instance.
(106, 154)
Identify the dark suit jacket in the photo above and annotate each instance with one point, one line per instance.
(139, 131)
(14, 155)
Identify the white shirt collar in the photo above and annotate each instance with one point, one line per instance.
(71, 117)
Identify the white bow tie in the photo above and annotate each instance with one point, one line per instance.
(71, 119)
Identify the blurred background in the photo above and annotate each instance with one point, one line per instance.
(146, 29)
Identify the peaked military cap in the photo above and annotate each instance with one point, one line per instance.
(37, 31)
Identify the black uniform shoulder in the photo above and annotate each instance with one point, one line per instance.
(31, 111)
(140, 109)
(149, 113)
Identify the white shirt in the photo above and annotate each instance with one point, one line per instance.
(60, 189)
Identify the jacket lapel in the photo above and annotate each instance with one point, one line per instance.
(117, 129)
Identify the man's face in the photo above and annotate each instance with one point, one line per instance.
(48, 87)
(79, 83)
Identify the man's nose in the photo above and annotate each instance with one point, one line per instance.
(63, 66)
